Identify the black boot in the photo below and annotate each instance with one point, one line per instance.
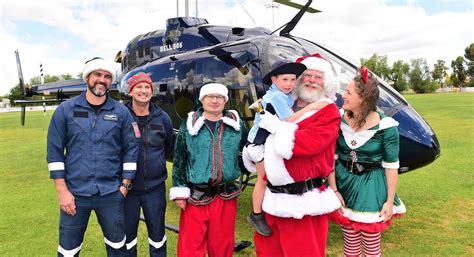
(258, 221)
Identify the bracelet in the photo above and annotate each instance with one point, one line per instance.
(335, 191)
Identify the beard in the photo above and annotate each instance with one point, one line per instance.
(310, 95)
(97, 90)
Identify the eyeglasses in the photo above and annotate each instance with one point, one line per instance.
(217, 97)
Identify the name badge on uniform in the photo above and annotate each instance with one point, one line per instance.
(112, 117)
(136, 130)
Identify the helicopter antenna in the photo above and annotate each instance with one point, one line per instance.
(238, 1)
(288, 27)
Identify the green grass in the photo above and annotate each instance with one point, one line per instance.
(439, 197)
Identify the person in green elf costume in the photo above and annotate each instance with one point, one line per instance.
(366, 168)
(206, 164)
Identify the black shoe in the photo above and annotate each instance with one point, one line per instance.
(258, 221)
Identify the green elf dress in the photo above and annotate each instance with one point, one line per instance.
(362, 157)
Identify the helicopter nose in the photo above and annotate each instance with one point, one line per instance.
(420, 144)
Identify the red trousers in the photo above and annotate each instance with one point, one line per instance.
(294, 237)
(207, 227)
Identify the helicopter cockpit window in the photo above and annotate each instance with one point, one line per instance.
(184, 87)
(236, 72)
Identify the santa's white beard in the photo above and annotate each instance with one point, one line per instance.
(310, 95)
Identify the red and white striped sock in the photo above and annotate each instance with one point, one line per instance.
(352, 241)
(371, 242)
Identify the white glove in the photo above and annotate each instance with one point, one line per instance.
(256, 152)
(269, 122)
(247, 159)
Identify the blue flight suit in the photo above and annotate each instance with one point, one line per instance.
(93, 152)
(149, 191)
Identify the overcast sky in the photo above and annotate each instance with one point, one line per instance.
(63, 34)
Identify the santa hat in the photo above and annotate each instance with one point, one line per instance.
(319, 63)
(138, 78)
(98, 63)
(213, 88)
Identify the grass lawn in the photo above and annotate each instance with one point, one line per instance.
(439, 197)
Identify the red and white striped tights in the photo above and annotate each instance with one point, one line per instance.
(353, 240)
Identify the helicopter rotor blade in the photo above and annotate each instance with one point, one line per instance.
(22, 86)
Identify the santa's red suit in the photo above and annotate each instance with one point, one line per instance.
(296, 152)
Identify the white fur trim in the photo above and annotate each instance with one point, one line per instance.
(117, 245)
(274, 165)
(179, 192)
(247, 159)
(213, 88)
(387, 122)
(316, 63)
(285, 139)
(311, 203)
(231, 122)
(53, 166)
(132, 244)
(341, 111)
(98, 64)
(305, 115)
(370, 217)
(69, 253)
(157, 245)
(193, 129)
(391, 165)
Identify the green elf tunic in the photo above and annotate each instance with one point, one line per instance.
(364, 194)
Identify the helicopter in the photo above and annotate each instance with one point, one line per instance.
(190, 52)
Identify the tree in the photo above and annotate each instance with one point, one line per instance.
(420, 77)
(459, 74)
(16, 93)
(398, 75)
(439, 71)
(469, 55)
(378, 65)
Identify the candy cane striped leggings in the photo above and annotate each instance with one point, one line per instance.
(353, 240)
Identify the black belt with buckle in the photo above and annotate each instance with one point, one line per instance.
(212, 190)
(298, 188)
(359, 168)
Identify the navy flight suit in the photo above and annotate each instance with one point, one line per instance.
(149, 191)
(93, 152)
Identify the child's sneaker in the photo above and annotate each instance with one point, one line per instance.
(258, 221)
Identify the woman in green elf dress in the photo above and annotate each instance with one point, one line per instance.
(366, 168)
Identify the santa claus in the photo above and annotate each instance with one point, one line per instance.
(299, 160)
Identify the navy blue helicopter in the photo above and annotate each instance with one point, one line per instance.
(190, 52)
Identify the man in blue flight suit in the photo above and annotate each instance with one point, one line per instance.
(92, 154)
(148, 191)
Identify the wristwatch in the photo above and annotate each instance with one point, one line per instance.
(127, 186)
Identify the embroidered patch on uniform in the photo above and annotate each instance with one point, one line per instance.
(156, 127)
(136, 130)
(112, 117)
(78, 114)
